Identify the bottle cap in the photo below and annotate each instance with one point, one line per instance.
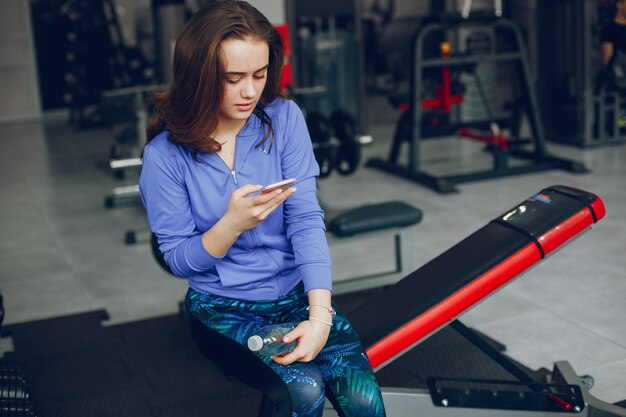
(255, 343)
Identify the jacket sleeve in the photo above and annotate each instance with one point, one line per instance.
(164, 194)
(303, 215)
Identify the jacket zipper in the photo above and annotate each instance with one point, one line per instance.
(233, 173)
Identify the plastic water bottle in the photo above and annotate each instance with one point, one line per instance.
(269, 339)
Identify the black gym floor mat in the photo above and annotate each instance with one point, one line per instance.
(77, 367)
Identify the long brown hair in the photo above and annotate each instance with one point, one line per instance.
(189, 109)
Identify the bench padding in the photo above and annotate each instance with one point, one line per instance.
(374, 217)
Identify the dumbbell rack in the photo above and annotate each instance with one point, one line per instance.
(14, 393)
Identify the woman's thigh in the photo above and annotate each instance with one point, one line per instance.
(239, 320)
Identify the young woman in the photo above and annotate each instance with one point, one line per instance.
(217, 136)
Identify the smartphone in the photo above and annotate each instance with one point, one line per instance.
(285, 184)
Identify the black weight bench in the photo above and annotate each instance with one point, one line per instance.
(376, 220)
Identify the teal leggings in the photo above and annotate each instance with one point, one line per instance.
(341, 371)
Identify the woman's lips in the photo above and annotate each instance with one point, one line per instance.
(244, 107)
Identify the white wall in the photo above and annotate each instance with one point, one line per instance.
(274, 10)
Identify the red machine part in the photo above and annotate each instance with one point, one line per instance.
(493, 138)
(287, 78)
(443, 100)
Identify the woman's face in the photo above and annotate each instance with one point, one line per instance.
(246, 64)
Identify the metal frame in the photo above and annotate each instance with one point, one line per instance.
(328, 10)
(403, 254)
(579, 108)
(138, 95)
(408, 402)
(538, 159)
(602, 120)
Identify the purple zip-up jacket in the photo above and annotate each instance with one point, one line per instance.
(184, 198)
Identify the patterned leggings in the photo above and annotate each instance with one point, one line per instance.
(340, 371)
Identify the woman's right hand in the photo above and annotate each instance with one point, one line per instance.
(245, 212)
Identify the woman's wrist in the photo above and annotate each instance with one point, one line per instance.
(230, 226)
(320, 309)
(219, 238)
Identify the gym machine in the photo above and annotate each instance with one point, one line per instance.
(98, 58)
(579, 106)
(425, 304)
(128, 123)
(325, 39)
(503, 45)
(131, 119)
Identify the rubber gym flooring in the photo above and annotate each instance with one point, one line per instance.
(74, 366)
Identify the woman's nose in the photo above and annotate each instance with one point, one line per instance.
(248, 89)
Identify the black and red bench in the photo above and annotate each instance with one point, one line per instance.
(429, 300)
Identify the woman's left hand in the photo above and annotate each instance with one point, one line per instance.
(311, 337)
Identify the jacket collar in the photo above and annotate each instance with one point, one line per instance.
(248, 139)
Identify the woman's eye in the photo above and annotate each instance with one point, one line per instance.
(232, 81)
(259, 77)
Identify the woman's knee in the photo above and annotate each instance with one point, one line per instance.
(366, 405)
(306, 388)
(359, 395)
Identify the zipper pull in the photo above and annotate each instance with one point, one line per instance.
(234, 174)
